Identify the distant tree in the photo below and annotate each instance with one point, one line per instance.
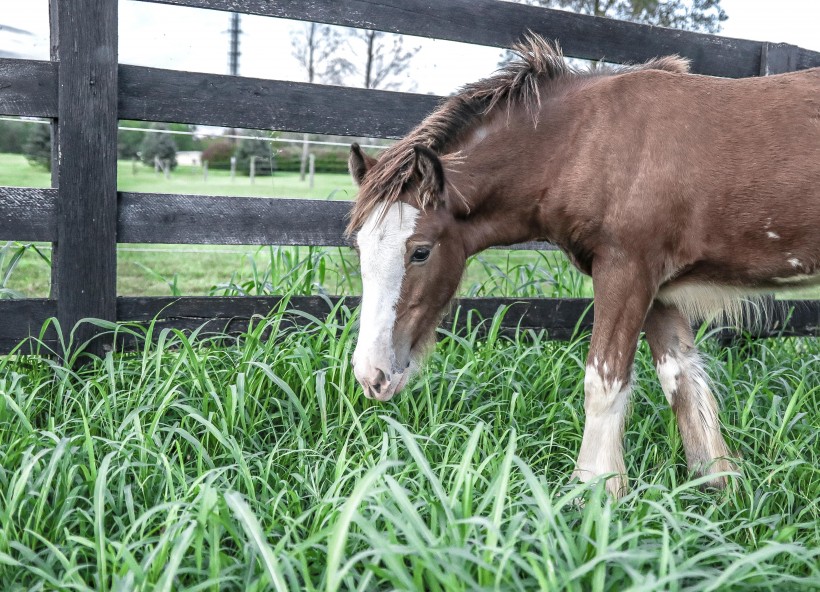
(13, 135)
(384, 59)
(187, 141)
(265, 164)
(129, 142)
(159, 145)
(38, 146)
(317, 48)
(693, 15)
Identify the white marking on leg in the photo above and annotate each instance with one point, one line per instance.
(669, 372)
(382, 245)
(705, 400)
(601, 452)
(794, 262)
(682, 375)
(772, 235)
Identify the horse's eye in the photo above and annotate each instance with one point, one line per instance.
(420, 254)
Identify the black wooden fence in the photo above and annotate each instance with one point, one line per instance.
(85, 92)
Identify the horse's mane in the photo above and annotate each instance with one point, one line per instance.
(517, 84)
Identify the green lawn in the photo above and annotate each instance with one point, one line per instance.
(190, 180)
(17, 172)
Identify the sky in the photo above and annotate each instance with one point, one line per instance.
(190, 39)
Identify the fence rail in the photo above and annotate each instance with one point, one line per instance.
(498, 24)
(85, 92)
(561, 318)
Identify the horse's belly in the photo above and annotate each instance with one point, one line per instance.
(708, 301)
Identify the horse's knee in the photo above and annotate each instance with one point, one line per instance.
(605, 387)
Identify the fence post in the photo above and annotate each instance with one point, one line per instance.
(777, 58)
(84, 261)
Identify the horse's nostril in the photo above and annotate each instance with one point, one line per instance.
(380, 378)
(380, 381)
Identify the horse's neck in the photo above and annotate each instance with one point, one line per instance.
(502, 192)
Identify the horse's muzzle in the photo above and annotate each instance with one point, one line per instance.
(378, 384)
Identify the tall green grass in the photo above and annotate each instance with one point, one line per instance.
(256, 464)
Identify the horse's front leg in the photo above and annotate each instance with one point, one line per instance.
(623, 295)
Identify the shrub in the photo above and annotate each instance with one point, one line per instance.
(38, 146)
(160, 145)
(218, 153)
(326, 161)
(129, 142)
(265, 164)
(13, 135)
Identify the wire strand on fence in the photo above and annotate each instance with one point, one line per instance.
(213, 135)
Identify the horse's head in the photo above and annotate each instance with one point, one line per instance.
(412, 258)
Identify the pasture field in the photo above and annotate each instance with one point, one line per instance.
(249, 463)
(16, 171)
(257, 464)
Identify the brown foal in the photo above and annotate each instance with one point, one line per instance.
(679, 194)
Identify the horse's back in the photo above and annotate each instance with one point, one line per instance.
(724, 174)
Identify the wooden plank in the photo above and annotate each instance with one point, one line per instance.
(21, 319)
(232, 315)
(199, 308)
(85, 259)
(221, 220)
(559, 317)
(529, 313)
(793, 318)
(24, 319)
(28, 88)
(806, 59)
(152, 94)
(494, 23)
(199, 219)
(28, 214)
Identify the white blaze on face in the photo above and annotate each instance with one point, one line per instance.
(382, 244)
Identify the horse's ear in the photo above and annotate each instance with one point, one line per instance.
(429, 174)
(359, 163)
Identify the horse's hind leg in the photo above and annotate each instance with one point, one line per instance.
(686, 387)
